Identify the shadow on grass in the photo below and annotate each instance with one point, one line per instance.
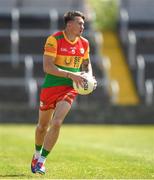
(20, 176)
(12, 175)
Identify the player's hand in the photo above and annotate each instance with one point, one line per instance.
(95, 81)
(78, 78)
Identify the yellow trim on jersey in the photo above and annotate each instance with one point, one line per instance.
(50, 48)
(68, 61)
(86, 55)
(50, 54)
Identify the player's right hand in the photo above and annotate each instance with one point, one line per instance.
(77, 78)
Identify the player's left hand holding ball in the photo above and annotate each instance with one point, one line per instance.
(89, 85)
(93, 77)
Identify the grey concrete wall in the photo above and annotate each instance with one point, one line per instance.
(98, 115)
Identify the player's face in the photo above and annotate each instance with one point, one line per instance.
(77, 26)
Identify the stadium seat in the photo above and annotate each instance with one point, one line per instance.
(5, 44)
(140, 22)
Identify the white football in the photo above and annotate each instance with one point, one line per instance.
(89, 84)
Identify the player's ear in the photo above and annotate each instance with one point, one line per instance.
(69, 24)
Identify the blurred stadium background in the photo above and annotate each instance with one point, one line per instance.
(121, 35)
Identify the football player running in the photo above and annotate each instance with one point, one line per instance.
(66, 53)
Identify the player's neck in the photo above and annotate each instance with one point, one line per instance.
(71, 37)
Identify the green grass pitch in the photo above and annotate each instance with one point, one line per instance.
(82, 152)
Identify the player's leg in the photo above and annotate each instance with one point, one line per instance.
(41, 129)
(42, 126)
(61, 110)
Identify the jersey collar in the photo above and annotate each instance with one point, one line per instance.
(71, 42)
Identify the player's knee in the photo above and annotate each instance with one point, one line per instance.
(42, 128)
(56, 123)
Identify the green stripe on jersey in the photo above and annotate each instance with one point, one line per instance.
(59, 37)
(52, 80)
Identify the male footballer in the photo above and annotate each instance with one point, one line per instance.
(66, 53)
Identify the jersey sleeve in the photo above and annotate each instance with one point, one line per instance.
(50, 47)
(86, 55)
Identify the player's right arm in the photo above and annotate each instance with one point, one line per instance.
(50, 68)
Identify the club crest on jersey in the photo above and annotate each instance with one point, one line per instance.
(81, 50)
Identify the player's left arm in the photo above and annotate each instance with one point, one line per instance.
(86, 63)
(87, 67)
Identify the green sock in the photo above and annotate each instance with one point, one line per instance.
(44, 153)
(38, 147)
